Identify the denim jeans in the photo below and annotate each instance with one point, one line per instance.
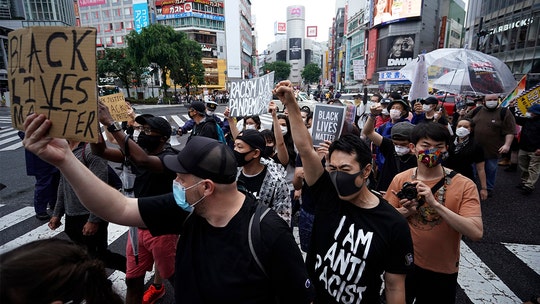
(491, 166)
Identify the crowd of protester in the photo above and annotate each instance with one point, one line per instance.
(380, 211)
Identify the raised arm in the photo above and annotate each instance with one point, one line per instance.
(369, 126)
(281, 148)
(101, 199)
(311, 162)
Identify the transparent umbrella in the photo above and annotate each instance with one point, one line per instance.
(464, 71)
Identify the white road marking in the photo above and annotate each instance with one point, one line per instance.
(529, 254)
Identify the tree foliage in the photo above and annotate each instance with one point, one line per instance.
(282, 70)
(188, 71)
(311, 73)
(162, 46)
(113, 62)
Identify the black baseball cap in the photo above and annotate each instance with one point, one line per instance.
(253, 138)
(206, 158)
(198, 106)
(159, 124)
(431, 100)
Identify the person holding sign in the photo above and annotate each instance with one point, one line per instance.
(350, 220)
(214, 263)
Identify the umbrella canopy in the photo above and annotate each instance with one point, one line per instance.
(463, 71)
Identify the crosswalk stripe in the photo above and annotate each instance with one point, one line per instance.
(479, 282)
(41, 232)
(16, 216)
(529, 254)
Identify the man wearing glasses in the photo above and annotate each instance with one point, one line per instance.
(152, 178)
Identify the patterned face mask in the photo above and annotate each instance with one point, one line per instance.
(432, 157)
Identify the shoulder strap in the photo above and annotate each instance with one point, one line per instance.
(503, 113)
(475, 111)
(441, 181)
(254, 233)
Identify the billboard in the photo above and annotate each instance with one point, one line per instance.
(140, 15)
(385, 11)
(84, 3)
(395, 51)
(311, 31)
(295, 48)
(280, 28)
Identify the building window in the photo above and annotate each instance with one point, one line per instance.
(129, 25)
(127, 11)
(119, 40)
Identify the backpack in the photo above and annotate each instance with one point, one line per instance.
(254, 234)
(477, 109)
(112, 177)
(221, 135)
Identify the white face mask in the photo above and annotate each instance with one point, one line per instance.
(283, 130)
(401, 150)
(395, 114)
(250, 127)
(492, 104)
(426, 108)
(528, 114)
(385, 112)
(462, 132)
(209, 113)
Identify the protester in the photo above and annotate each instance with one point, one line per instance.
(214, 262)
(204, 125)
(356, 235)
(494, 132)
(529, 149)
(83, 227)
(441, 208)
(426, 110)
(464, 153)
(260, 176)
(46, 184)
(54, 271)
(152, 178)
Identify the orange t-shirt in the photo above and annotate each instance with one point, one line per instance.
(436, 244)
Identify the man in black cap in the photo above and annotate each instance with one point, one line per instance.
(205, 125)
(214, 260)
(152, 178)
(260, 176)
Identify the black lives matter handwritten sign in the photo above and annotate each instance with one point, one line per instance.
(251, 96)
(118, 107)
(52, 71)
(327, 123)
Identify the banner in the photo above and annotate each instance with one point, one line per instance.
(295, 48)
(327, 123)
(52, 71)
(250, 96)
(529, 98)
(140, 15)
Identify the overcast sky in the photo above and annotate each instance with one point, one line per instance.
(266, 12)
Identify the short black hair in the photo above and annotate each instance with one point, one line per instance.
(352, 144)
(431, 130)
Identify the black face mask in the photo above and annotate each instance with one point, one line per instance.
(241, 158)
(345, 183)
(268, 151)
(148, 142)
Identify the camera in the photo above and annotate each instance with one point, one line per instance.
(409, 192)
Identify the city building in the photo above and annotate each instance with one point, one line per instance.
(294, 44)
(15, 14)
(508, 30)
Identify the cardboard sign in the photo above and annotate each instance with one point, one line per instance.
(251, 96)
(327, 123)
(118, 107)
(52, 71)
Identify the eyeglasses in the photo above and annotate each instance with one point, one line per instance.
(146, 130)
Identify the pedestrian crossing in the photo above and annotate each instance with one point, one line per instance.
(477, 280)
(9, 140)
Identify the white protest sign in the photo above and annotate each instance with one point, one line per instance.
(251, 96)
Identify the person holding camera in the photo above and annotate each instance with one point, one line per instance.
(441, 207)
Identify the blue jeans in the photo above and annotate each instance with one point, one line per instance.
(491, 166)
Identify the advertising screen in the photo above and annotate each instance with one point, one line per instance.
(295, 48)
(396, 51)
(385, 11)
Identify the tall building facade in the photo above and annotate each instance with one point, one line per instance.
(508, 30)
(293, 44)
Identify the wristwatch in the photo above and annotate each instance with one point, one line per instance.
(114, 127)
